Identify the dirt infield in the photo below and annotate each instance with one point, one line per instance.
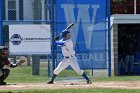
(63, 84)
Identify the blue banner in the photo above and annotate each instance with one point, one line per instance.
(89, 31)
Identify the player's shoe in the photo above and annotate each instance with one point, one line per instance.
(89, 82)
(2, 83)
(50, 82)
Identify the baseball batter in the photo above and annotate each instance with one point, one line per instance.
(69, 57)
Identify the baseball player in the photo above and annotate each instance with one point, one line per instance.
(4, 72)
(69, 57)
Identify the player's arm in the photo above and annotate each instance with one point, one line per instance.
(7, 62)
(56, 38)
(60, 43)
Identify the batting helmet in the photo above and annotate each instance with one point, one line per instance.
(64, 34)
(3, 48)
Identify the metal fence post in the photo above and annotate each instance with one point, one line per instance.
(52, 28)
(48, 57)
(109, 39)
(35, 64)
(1, 23)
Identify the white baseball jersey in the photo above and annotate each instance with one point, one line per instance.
(69, 58)
(67, 48)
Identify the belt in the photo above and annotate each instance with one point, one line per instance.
(68, 56)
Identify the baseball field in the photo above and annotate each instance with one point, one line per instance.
(21, 80)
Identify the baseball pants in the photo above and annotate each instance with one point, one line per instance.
(72, 61)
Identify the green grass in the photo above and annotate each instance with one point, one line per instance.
(117, 78)
(23, 74)
(90, 90)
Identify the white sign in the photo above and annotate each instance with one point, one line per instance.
(29, 39)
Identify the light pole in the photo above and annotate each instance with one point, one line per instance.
(135, 6)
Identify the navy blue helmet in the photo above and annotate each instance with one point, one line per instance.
(3, 48)
(64, 33)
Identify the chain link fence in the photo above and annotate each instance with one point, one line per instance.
(36, 13)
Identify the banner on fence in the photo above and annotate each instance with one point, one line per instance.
(89, 31)
(29, 39)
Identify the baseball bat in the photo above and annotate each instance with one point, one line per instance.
(67, 28)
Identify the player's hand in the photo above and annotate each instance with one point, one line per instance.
(56, 38)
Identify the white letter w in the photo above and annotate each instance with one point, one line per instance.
(82, 15)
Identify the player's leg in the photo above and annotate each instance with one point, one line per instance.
(75, 66)
(5, 74)
(126, 64)
(61, 66)
(132, 64)
(1, 73)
